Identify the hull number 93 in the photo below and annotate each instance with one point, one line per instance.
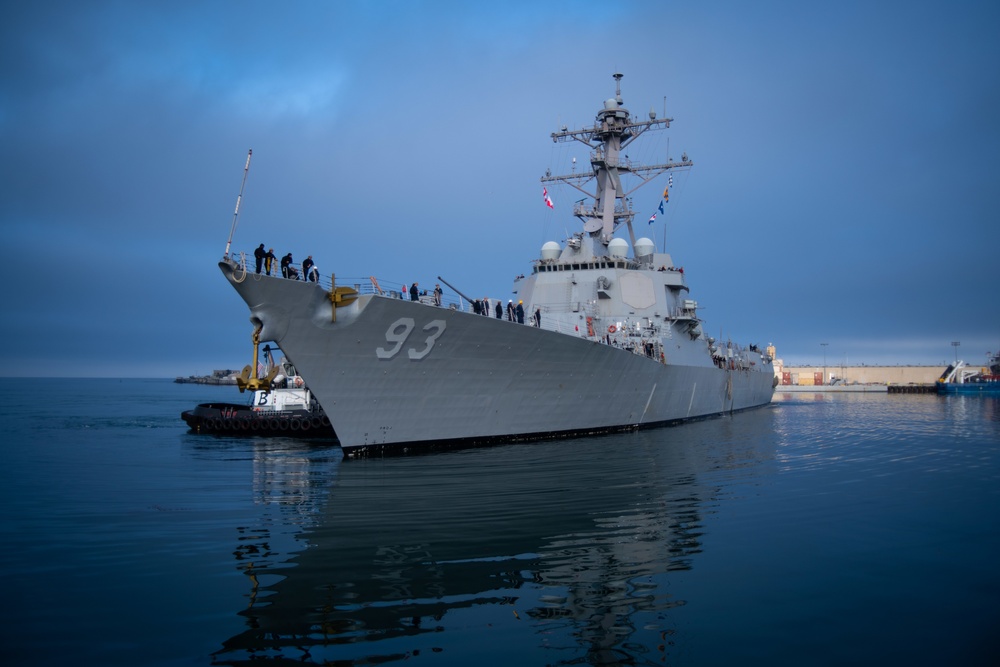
(398, 332)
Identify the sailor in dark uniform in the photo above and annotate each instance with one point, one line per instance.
(258, 256)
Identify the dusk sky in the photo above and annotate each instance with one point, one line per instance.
(844, 188)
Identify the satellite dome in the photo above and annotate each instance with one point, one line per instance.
(551, 250)
(618, 247)
(644, 247)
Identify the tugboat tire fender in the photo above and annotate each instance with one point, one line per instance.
(294, 424)
(282, 424)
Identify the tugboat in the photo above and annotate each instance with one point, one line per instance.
(959, 378)
(281, 404)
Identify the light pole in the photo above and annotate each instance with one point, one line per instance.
(955, 345)
(824, 361)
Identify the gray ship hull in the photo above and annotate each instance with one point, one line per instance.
(396, 375)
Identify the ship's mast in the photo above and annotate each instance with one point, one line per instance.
(613, 130)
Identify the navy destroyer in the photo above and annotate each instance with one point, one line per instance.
(612, 341)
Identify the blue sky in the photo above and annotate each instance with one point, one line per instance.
(843, 189)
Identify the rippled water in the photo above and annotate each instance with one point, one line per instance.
(824, 529)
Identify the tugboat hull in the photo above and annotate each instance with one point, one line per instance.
(234, 419)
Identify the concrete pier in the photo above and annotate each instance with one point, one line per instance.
(844, 388)
(887, 375)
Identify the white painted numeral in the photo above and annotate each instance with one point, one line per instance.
(438, 327)
(399, 331)
(393, 335)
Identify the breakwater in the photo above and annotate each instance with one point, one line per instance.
(223, 377)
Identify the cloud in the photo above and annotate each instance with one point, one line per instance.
(842, 188)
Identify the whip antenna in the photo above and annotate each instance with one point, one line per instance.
(236, 213)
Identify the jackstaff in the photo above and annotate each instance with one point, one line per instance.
(239, 198)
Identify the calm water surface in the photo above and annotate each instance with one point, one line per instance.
(822, 530)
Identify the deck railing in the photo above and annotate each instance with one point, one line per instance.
(394, 290)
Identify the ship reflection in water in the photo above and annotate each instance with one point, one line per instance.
(544, 553)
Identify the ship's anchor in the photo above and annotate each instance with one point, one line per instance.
(340, 297)
(248, 378)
